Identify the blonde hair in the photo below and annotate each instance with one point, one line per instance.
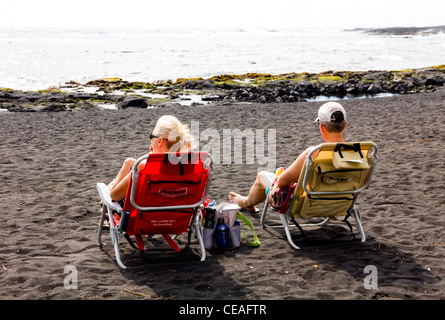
(177, 134)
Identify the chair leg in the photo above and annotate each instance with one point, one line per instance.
(285, 223)
(198, 231)
(114, 234)
(356, 214)
(318, 224)
(263, 215)
(116, 251)
(101, 224)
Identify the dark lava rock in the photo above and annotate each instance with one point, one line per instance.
(132, 103)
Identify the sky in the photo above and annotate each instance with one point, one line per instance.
(220, 14)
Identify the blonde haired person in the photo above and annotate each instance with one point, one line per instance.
(169, 135)
(332, 123)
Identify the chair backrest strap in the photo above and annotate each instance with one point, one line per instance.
(355, 147)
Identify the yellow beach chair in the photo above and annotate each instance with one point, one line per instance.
(331, 179)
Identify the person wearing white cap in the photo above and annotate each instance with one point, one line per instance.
(332, 123)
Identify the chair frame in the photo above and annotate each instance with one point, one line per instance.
(117, 232)
(352, 211)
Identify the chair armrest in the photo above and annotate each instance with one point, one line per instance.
(104, 194)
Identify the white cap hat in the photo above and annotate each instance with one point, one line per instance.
(326, 110)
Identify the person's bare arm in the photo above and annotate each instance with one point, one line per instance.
(292, 173)
(119, 191)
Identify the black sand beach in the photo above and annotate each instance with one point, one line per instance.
(51, 162)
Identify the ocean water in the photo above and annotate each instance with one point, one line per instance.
(34, 59)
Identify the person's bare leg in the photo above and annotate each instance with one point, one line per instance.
(126, 168)
(257, 194)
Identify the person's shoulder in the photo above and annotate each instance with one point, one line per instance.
(308, 151)
(305, 153)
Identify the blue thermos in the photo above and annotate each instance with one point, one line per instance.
(222, 234)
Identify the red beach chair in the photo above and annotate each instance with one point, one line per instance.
(165, 197)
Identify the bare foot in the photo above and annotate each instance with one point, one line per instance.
(240, 201)
(237, 199)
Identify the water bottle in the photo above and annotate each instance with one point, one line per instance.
(209, 221)
(222, 234)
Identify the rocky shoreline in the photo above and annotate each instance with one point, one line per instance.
(223, 89)
(405, 31)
